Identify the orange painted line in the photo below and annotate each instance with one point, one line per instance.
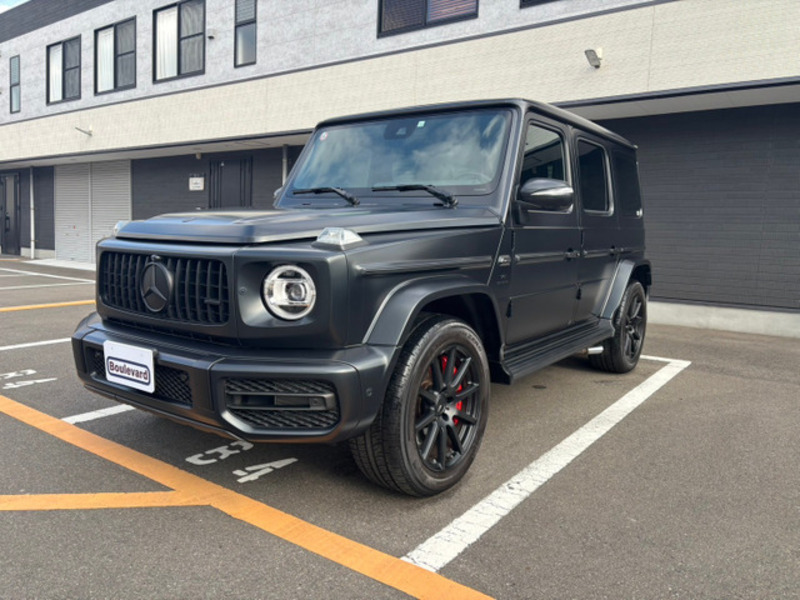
(93, 501)
(53, 305)
(379, 566)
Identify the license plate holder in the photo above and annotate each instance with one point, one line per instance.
(131, 366)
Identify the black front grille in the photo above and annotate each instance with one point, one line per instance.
(172, 385)
(200, 291)
(282, 404)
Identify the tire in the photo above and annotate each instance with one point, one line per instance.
(621, 351)
(431, 424)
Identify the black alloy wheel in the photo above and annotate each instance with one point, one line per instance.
(434, 413)
(621, 351)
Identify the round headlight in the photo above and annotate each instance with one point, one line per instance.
(289, 292)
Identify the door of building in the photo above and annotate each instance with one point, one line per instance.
(9, 214)
(231, 183)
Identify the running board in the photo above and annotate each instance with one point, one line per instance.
(527, 358)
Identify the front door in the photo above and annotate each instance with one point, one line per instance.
(544, 271)
(231, 183)
(9, 214)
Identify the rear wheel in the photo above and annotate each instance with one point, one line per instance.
(621, 352)
(433, 417)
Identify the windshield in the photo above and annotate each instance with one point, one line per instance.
(457, 153)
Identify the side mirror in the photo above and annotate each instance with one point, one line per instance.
(549, 195)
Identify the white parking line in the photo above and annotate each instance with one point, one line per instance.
(42, 285)
(19, 272)
(443, 547)
(98, 414)
(34, 344)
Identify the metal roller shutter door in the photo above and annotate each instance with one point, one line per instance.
(89, 199)
(72, 193)
(111, 197)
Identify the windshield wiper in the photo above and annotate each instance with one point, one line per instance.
(446, 197)
(338, 191)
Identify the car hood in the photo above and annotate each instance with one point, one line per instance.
(254, 227)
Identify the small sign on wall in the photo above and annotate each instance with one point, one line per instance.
(197, 183)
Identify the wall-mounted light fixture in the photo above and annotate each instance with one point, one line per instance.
(85, 131)
(594, 56)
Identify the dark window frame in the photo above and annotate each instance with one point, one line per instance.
(607, 178)
(117, 55)
(527, 3)
(64, 70)
(426, 23)
(236, 25)
(180, 39)
(12, 85)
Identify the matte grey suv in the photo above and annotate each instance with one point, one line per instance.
(412, 258)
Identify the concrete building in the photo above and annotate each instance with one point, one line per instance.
(119, 109)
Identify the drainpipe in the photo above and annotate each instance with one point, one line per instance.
(33, 215)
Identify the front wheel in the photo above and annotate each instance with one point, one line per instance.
(621, 351)
(433, 417)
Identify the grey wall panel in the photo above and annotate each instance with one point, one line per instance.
(161, 185)
(722, 204)
(267, 166)
(43, 178)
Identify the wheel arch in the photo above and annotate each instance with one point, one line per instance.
(453, 296)
(627, 271)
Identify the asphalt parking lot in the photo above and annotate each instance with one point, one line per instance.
(679, 480)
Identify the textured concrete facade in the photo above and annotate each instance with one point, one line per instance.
(299, 78)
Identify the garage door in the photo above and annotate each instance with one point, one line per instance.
(89, 199)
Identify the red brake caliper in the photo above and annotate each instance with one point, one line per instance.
(460, 403)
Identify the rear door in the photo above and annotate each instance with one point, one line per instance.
(598, 225)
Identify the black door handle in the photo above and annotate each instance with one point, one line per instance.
(572, 254)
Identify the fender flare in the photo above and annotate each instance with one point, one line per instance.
(397, 315)
(619, 284)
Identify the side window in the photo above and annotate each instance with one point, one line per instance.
(593, 176)
(397, 16)
(14, 85)
(544, 154)
(179, 34)
(245, 35)
(115, 57)
(626, 184)
(64, 70)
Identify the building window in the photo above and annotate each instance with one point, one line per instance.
(115, 57)
(179, 32)
(14, 88)
(245, 51)
(397, 16)
(64, 70)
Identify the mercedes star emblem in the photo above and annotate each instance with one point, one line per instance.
(156, 286)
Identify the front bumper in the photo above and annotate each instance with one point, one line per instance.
(253, 394)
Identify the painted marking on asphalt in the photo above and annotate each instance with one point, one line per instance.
(51, 305)
(27, 502)
(46, 275)
(389, 570)
(42, 285)
(98, 414)
(444, 546)
(34, 344)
